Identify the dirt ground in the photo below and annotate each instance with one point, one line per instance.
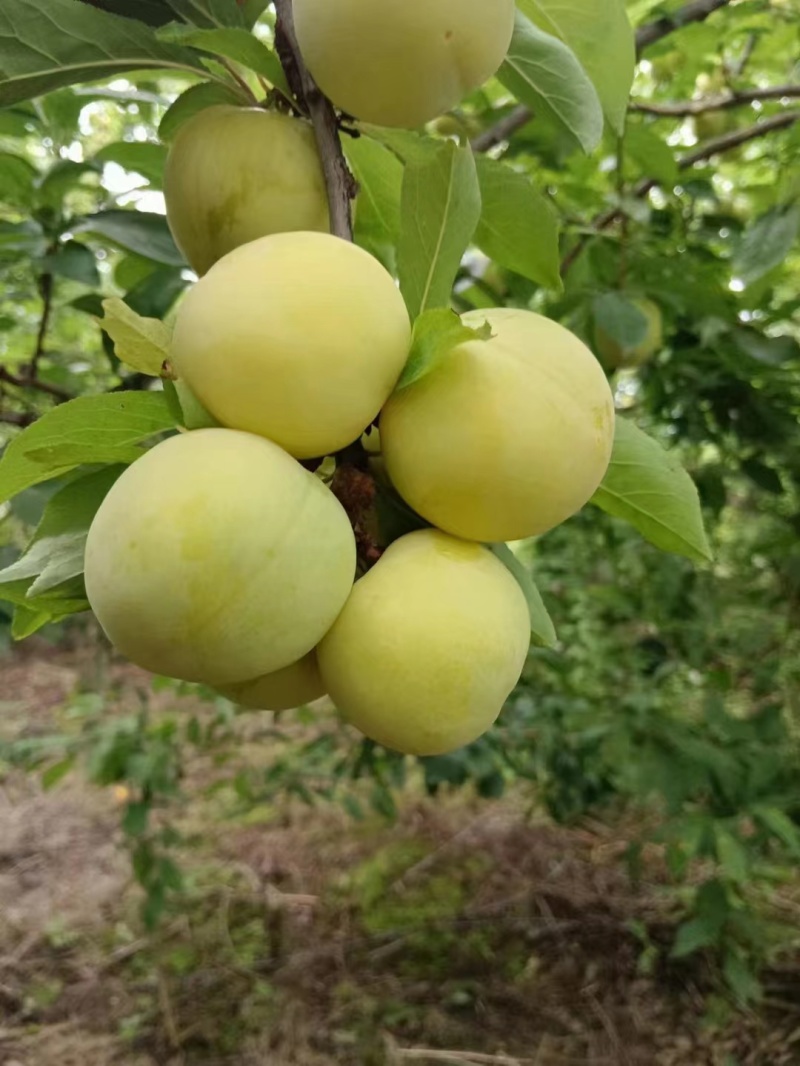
(464, 933)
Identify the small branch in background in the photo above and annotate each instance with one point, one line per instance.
(12, 418)
(340, 183)
(29, 382)
(683, 109)
(697, 11)
(704, 152)
(735, 70)
(502, 130)
(46, 285)
(234, 73)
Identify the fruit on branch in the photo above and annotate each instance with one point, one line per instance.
(505, 438)
(217, 557)
(293, 686)
(299, 337)
(615, 355)
(402, 62)
(429, 645)
(234, 174)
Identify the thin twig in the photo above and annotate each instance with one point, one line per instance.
(46, 285)
(697, 11)
(704, 152)
(13, 418)
(340, 184)
(32, 382)
(683, 109)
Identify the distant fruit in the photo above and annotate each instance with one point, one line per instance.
(299, 337)
(429, 645)
(216, 557)
(234, 174)
(402, 62)
(615, 356)
(505, 438)
(293, 686)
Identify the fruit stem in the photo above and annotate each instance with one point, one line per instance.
(340, 183)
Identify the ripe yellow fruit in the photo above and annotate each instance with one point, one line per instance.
(505, 438)
(293, 686)
(402, 62)
(299, 337)
(216, 557)
(615, 356)
(429, 646)
(234, 174)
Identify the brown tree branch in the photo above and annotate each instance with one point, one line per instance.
(696, 11)
(13, 418)
(701, 154)
(28, 382)
(46, 285)
(339, 181)
(683, 109)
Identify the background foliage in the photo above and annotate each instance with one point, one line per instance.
(673, 688)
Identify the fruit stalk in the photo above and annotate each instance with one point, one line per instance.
(340, 183)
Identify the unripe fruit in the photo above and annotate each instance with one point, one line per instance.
(506, 438)
(615, 356)
(429, 646)
(216, 557)
(402, 62)
(234, 174)
(293, 686)
(298, 337)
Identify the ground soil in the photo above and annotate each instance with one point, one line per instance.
(466, 932)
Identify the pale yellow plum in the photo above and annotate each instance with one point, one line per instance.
(234, 174)
(216, 556)
(505, 438)
(429, 645)
(402, 62)
(614, 355)
(295, 685)
(298, 337)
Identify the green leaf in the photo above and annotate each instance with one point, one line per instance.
(141, 343)
(732, 856)
(197, 98)
(440, 208)
(766, 243)
(692, 936)
(62, 178)
(209, 12)
(63, 42)
(193, 414)
(17, 178)
(779, 825)
(601, 37)
(436, 334)
(741, 978)
(647, 486)
(653, 155)
(543, 73)
(620, 319)
(518, 228)
(136, 231)
(23, 238)
(154, 295)
(91, 429)
(543, 631)
(74, 261)
(142, 158)
(380, 177)
(57, 772)
(243, 48)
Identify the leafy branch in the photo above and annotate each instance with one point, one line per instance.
(30, 381)
(340, 184)
(704, 152)
(697, 11)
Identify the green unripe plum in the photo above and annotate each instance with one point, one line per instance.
(294, 686)
(615, 356)
(298, 337)
(506, 438)
(429, 645)
(217, 557)
(402, 62)
(234, 174)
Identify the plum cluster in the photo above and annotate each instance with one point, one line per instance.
(221, 556)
